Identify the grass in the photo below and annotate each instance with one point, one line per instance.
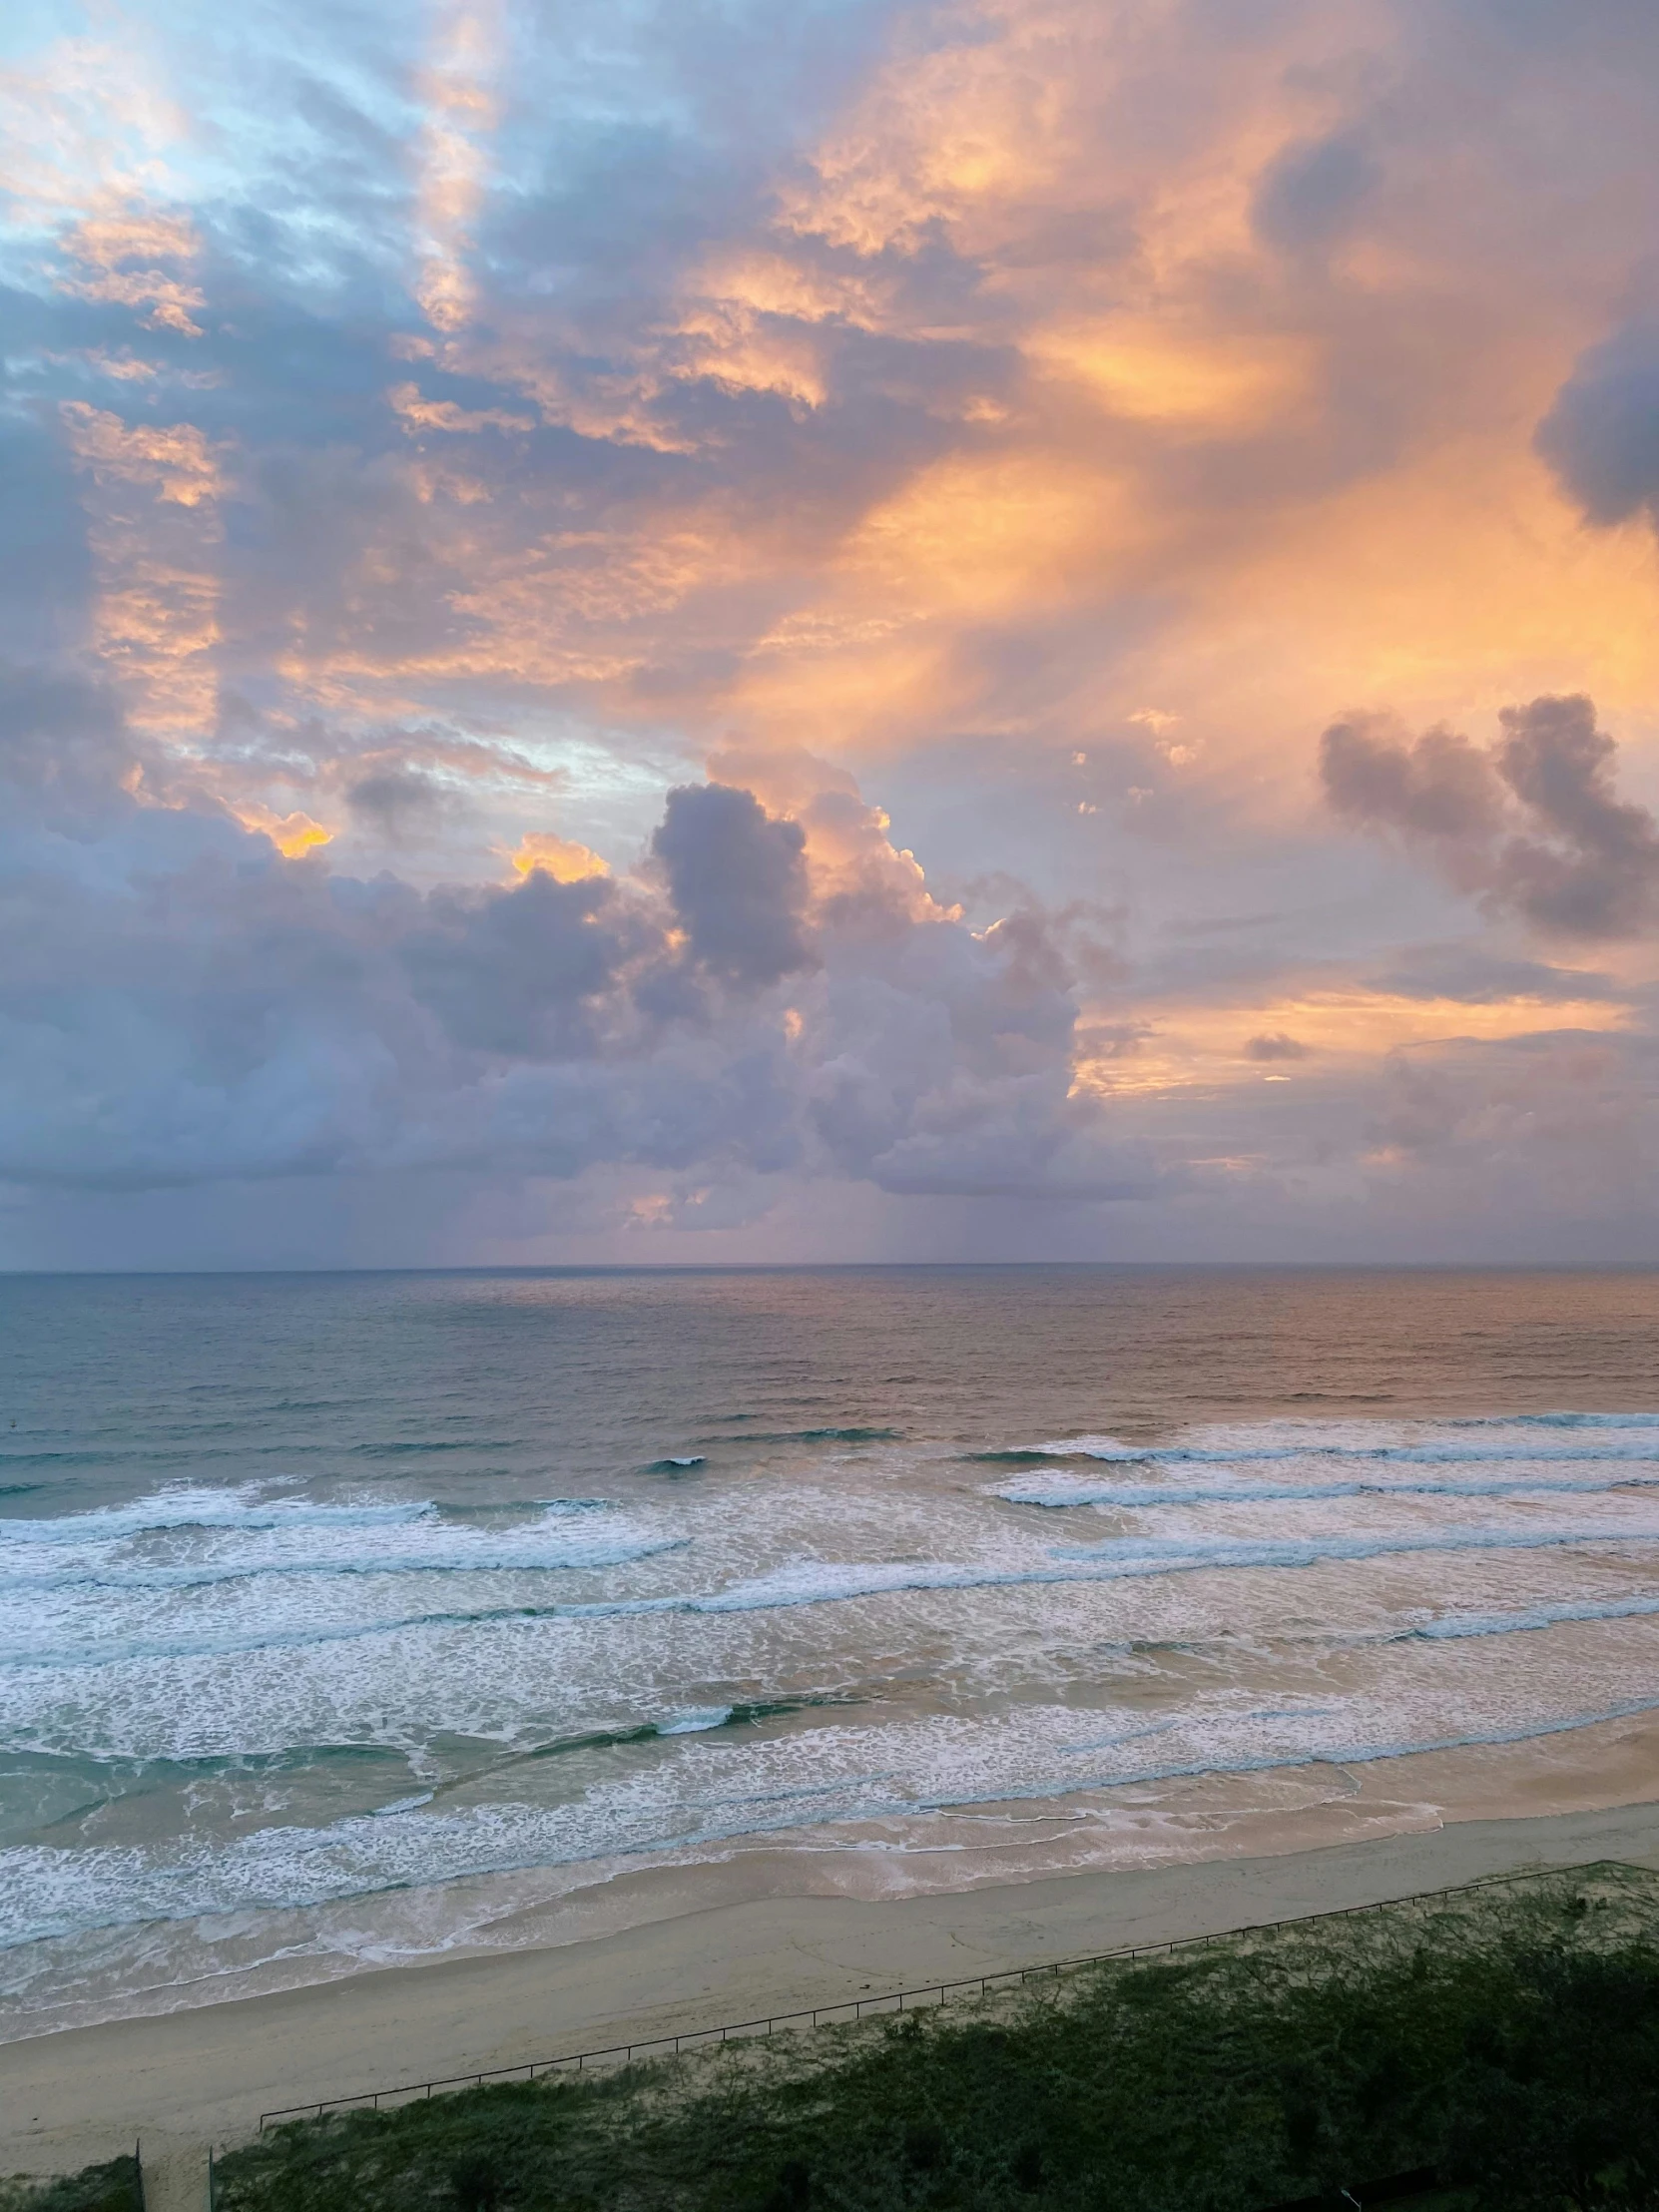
(110, 2188)
(1507, 2038)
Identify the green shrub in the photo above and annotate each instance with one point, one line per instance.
(109, 2188)
(1510, 2041)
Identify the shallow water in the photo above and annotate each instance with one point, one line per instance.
(348, 1617)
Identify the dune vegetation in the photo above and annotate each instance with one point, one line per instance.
(1493, 2048)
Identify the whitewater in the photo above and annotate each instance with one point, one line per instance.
(351, 1619)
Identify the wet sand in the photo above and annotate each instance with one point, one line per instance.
(205, 2073)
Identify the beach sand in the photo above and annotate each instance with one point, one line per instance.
(205, 2073)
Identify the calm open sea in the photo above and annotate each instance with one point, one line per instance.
(355, 1617)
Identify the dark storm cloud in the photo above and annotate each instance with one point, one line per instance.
(1535, 824)
(1602, 434)
(738, 883)
(180, 1005)
(523, 972)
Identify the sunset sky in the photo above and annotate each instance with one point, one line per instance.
(677, 631)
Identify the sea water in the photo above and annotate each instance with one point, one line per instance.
(351, 1618)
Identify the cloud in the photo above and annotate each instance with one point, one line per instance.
(1554, 1124)
(1600, 875)
(1276, 1045)
(561, 858)
(398, 803)
(788, 449)
(292, 833)
(1602, 433)
(1439, 788)
(738, 883)
(185, 1004)
(63, 743)
(1533, 824)
(1471, 976)
(1311, 192)
(528, 974)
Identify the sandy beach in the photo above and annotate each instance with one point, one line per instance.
(206, 2074)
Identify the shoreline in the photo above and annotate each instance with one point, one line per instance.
(151, 1970)
(205, 2072)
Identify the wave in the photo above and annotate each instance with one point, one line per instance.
(673, 1465)
(245, 1539)
(48, 1891)
(696, 1721)
(1039, 1456)
(513, 1508)
(504, 1559)
(1349, 1754)
(830, 1585)
(1071, 1451)
(121, 1651)
(825, 1583)
(1301, 1551)
(1023, 1456)
(422, 1446)
(183, 1507)
(809, 1583)
(102, 1774)
(49, 1457)
(829, 1436)
(197, 1443)
(1555, 1420)
(1074, 1492)
(1565, 1612)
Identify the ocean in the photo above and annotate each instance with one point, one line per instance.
(359, 1618)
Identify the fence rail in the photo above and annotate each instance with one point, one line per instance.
(896, 2000)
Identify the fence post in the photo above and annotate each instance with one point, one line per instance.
(138, 2167)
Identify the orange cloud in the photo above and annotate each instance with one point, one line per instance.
(154, 530)
(460, 116)
(293, 834)
(1190, 1047)
(1152, 370)
(110, 243)
(560, 858)
(418, 414)
(178, 464)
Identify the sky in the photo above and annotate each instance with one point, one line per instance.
(689, 631)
